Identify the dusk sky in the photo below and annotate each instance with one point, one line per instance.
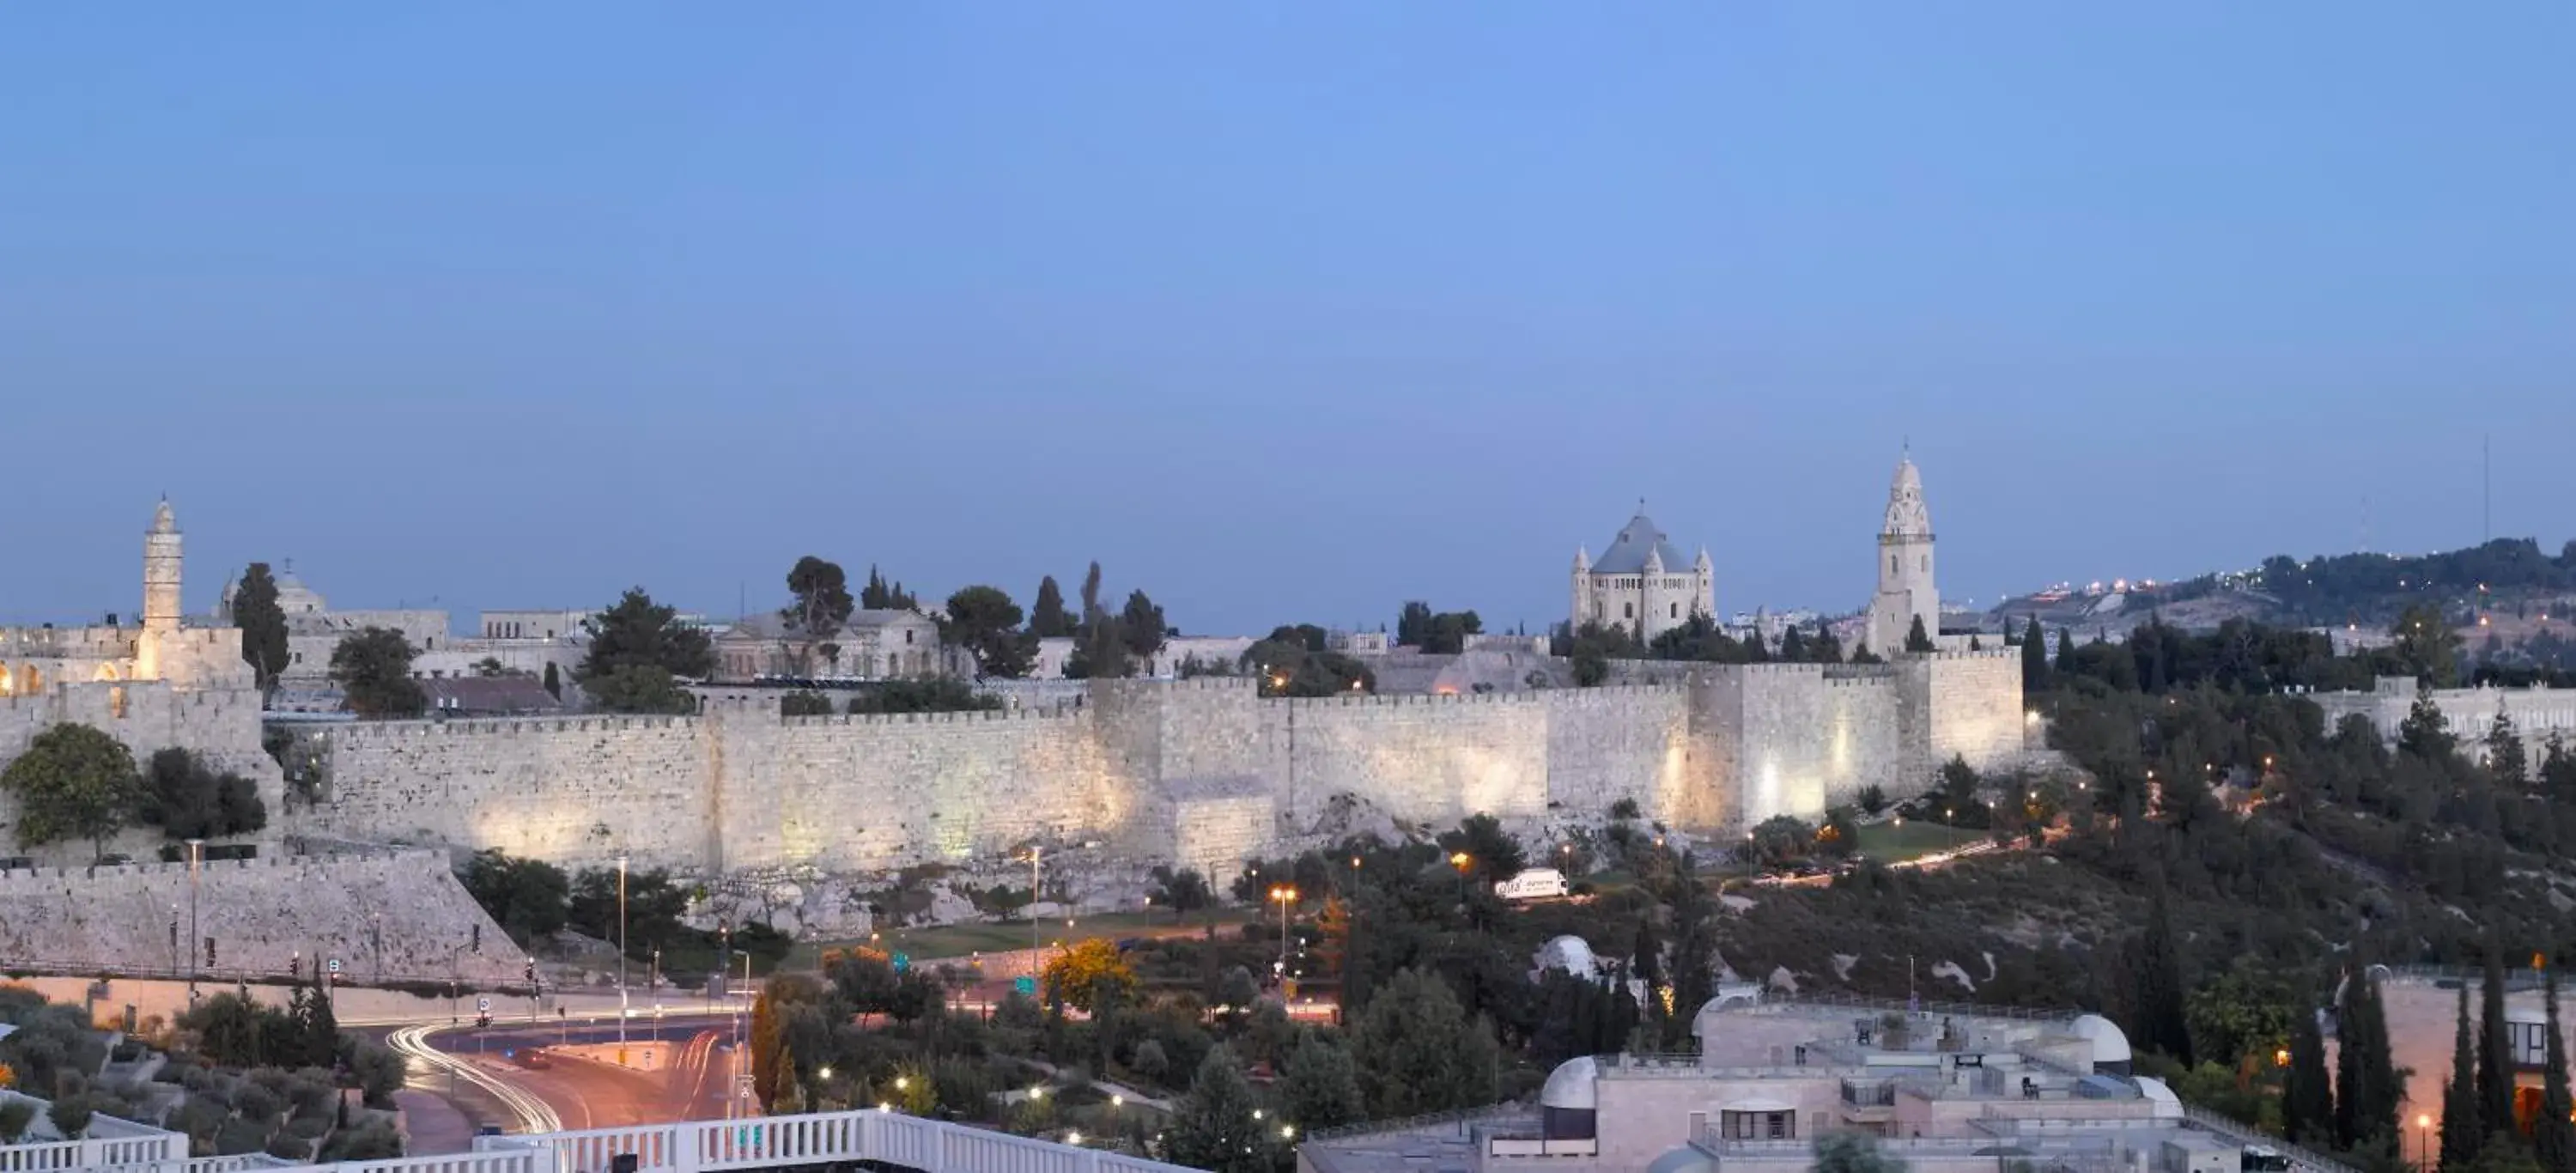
(1283, 312)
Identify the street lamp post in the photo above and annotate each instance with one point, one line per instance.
(621, 957)
(1286, 896)
(195, 853)
(1036, 941)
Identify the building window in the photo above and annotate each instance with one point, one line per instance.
(1677, 610)
(1927, 564)
(1627, 610)
(1891, 564)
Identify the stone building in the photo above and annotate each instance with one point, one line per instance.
(314, 630)
(871, 645)
(1642, 584)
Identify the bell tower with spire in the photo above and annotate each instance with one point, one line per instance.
(161, 608)
(1905, 583)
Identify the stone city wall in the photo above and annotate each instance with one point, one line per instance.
(1433, 759)
(1976, 710)
(567, 789)
(1804, 737)
(220, 725)
(1159, 769)
(398, 915)
(855, 792)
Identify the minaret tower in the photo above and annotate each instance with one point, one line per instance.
(1905, 586)
(160, 592)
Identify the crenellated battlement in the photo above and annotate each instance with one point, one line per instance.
(359, 731)
(964, 717)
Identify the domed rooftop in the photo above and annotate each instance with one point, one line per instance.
(2110, 1045)
(1639, 539)
(1569, 953)
(1685, 1159)
(1571, 1085)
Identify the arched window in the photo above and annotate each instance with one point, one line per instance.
(1891, 564)
(1677, 610)
(1627, 610)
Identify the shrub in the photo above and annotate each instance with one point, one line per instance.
(15, 1116)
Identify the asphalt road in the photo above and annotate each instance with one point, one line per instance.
(584, 1093)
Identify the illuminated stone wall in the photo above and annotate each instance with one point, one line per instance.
(1799, 738)
(1190, 770)
(572, 790)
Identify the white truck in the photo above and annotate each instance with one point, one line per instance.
(1533, 884)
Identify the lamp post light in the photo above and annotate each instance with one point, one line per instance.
(621, 956)
(1287, 897)
(196, 852)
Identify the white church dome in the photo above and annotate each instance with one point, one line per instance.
(2110, 1045)
(1571, 1085)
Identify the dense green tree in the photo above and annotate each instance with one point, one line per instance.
(1917, 640)
(1412, 624)
(2161, 1022)
(984, 621)
(1142, 628)
(2495, 1046)
(1322, 1086)
(1213, 1126)
(188, 800)
(1047, 618)
(936, 694)
(263, 624)
(2425, 732)
(1446, 633)
(2034, 658)
(1100, 648)
(819, 603)
(881, 595)
(1793, 646)
(2307, 1091)
(1592, 646)
(72, 783)
(639, 653)
(2506, 758)
(1493, 854)
(526, 897)
(553, 682)
(2368, 1088)
(804, 703)
(373, 669)
(1417, 1052)
(1851, 1151)
(2462, 1133)
(1287, 665)
(1754, 651)
(2425, 646)
(1184, 891)
(2553, 1132)
(1696, 637)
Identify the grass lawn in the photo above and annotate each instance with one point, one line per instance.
(1889, 843)
(926, 944)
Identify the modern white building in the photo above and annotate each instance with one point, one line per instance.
(1944, 1089)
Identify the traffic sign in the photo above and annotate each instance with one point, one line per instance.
(1026, 986)
(335, 965)
(483, 1003)
(902, 962)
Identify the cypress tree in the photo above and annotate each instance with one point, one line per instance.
(1918, 640)
(2462, 1134)
(2554, 1134)
(2495, 1050)
(2065, 651)
(2034, 657)
(2160, 982)
(2367, 1091)
(2307, 1092)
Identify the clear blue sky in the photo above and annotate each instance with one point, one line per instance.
(1283, 312)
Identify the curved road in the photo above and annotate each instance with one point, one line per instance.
(543, 1090)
